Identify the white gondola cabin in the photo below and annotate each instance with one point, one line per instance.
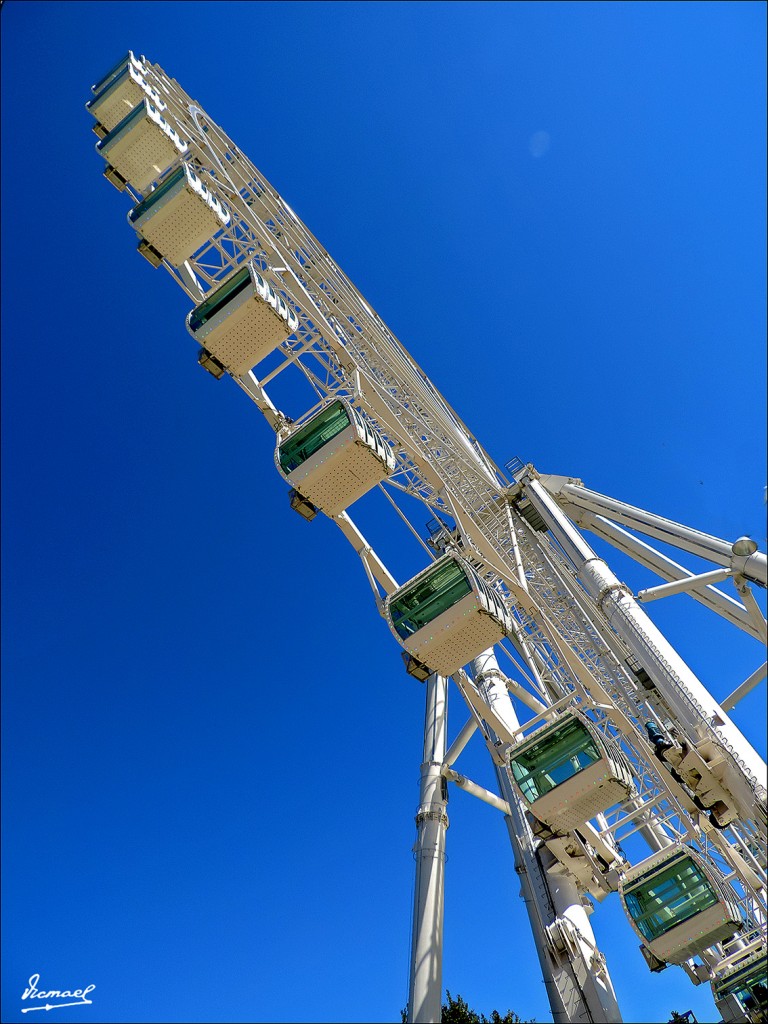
(242, 321)
(178, 216)
(677, 905)
(746, 982)
(447, 615)
(119, 92)
(114, 71)
(568, 772)
(334, 458)
(142, 146)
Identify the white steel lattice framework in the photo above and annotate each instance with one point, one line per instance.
(580, 638)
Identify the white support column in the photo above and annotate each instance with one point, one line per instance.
(575, 975)
(753, 608)
(426, 982)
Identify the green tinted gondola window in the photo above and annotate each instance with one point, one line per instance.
(668, 897)
(752, 990)
(558, 756)
(108, 87)
(203, 313)
(313, 435)
(750, 986)
(421, 602)
(105, 81)
(149, 201)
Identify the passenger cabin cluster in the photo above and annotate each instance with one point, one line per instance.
(567, 771)
(242, 319)
(336, 455)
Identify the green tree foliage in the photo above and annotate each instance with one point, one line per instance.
(456, 1011)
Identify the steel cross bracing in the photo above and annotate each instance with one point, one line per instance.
(569, 651)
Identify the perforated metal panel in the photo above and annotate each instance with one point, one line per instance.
(455, 637)
(341, 472)
(246, 336)
(142, 154)
(110, 110)
(690, 937)
(180, 226)
(591, 791)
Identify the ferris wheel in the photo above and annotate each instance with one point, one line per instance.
(627, 781)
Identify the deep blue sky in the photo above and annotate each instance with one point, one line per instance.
(211, 752)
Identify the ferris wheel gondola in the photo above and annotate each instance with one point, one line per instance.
(142, 146)
(242, 320)
(677, 905)
(567, 772)
(447, 615)
(118, 93)
(178, 217)
(334, 458)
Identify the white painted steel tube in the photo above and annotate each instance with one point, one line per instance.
(591, 973)
(744, 688)
(710, 597)
(524, 696)
(681, 586)
(753, 608)
(426, 980)
(492, 684)
(532, 881)
(754, 566)
(474, 790)
(467, 731)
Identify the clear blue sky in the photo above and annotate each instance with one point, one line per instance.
(211, 751)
